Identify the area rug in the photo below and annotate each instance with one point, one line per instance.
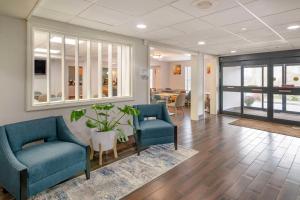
(268, 126)
(120, 178)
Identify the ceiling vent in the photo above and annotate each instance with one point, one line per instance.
(203, 4)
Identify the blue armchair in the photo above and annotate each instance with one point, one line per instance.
(158, 130)
(27, 170)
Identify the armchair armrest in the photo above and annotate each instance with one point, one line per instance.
(166, 115)
(64, 133)
(14, 176)
(136, 123)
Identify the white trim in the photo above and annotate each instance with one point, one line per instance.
(63, 69)
(64, 32)
(48, 68)
(99, 88)
(88, 70)
(119, 70)
(109, 65)
(74, 103)
(76, 70)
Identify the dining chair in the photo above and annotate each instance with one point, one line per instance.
(178, 104)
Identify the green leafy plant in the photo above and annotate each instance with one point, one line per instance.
(106, 119)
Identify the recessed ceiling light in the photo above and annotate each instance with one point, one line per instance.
(233, 51)
(141, 26)
(244, 29)
(293, 27)
(201, 43)
(187, 54)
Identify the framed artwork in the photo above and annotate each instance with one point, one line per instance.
(208, 69)
(177, 70)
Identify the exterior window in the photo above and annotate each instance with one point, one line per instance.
(71, 69)
(188, 78)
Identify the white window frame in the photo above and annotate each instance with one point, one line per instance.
(80, 35)
(187, 80)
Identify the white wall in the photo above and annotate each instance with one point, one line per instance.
(211, 85)
(161, 78)
(13, 36)
(178, 81)
(165, 78)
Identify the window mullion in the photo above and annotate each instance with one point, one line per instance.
(88, 70)
(119, 71)
(110, 92)
(63, 69)
(48, 68)
(76, 70)
(99, 85)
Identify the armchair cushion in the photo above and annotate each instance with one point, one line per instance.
(156, 128)
(21, 133)
(46, 159)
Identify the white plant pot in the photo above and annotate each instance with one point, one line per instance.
(106, 139)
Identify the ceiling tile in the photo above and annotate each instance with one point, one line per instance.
(162, 34)
(295, 42)
(165, 16)
(131, 7)
(283, 18)
(104, 15)
(189, 7)
(192, 26)
(70, 7)
(52, 14)
(249, 25)
(269, 7)
(88, 23)
(230, 16)
(287, 34)
(260, 35)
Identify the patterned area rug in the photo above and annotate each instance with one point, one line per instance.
(120, 178)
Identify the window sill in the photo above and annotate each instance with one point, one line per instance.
(76, 103)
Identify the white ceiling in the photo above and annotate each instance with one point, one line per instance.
(17, 8)
(180, 23)
(168, 55)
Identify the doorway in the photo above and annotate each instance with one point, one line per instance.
(261, 89)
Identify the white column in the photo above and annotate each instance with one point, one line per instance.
(197, 87)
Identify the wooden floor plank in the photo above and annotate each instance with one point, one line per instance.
(233, 163)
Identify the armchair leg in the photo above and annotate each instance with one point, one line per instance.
(4, 190)
(87, 174)
(23, 181)
(88, 166)
(175, 138)
(138, 149)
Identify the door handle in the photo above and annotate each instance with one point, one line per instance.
(230, 87)
(256, 90)
(285, 91)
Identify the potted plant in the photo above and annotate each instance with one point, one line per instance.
(249, 100)
(105, 124)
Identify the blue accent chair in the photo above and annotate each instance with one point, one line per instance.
(56, 156)
(158, 130)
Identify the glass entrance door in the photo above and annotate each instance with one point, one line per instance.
(286, 92)
(231, 89)
(255, 97)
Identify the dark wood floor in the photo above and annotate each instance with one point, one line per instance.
(232, 163)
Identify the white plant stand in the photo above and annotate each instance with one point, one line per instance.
(101, 142)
